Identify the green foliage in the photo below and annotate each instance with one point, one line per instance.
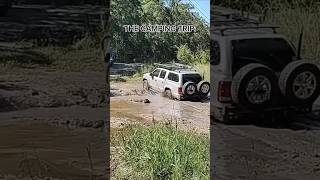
(185, 55)
(291, 16)
(203, 69)
(202, 57)
(153, 47)
(258, 6)
(163, 152)
(292, 20)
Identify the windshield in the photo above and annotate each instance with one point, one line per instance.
(196, 78)
(273, 52)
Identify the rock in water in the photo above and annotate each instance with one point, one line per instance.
(146, 101)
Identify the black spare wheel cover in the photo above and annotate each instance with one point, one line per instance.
(203, 88)
(254, 86)
(299, 82)
(189, 88)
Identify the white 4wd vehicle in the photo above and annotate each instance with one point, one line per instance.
(177, 81)
(255, 71)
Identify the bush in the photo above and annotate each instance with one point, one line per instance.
(185, 55)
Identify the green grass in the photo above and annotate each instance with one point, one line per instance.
(84, 55)
(203, 69)
(162, 152)
(291, 20)
(73, 59)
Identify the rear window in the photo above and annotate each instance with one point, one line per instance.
(196, 78)
(273, 52)
(173, 77)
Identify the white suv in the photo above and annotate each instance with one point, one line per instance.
(256, 71)
(177, 81)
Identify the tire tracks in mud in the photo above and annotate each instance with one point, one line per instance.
(264, 151)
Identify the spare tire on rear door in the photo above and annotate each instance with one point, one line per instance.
(254, 86)
(203, 88)
(189, 89)
(299, 82)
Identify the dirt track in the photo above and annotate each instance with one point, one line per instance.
(289, 151)
(48, 119)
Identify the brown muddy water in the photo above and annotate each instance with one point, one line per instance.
(130, 109)
(37, 149)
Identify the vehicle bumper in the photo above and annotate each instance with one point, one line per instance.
(194, 97)
(235, 112)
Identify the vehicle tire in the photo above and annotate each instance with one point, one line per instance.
(146, 85)
(254, 87)
(168, 93)
(203, 88)
(299, 82)
(189, 89)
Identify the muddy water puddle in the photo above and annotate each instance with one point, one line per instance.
(161, 109)
(35, 148)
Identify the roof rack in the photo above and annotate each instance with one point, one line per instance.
(225, 19)
(274, 28)
(234, 14)
(175, 66)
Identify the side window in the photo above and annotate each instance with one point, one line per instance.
(156, 73)
(215, 52)
(173, 77)
(163, 74)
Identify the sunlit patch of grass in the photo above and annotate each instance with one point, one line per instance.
(204, 70)
(162, 152)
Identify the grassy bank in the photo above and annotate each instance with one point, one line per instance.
(161, 152)
(62, 58)
(204, 70)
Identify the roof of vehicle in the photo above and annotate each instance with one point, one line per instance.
(228, 22)
(181, 71)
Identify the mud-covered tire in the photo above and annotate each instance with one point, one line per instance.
(168, 93)
(145, 85)
(203, 88)
(249, 92)
(289, 86)
(189, 89)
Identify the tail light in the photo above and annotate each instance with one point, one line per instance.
(180, 90)
(224, 92)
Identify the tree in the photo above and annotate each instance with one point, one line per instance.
(152, 46)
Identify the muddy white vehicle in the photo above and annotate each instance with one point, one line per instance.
(256, 71)
(177, 81)
(4, 7)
